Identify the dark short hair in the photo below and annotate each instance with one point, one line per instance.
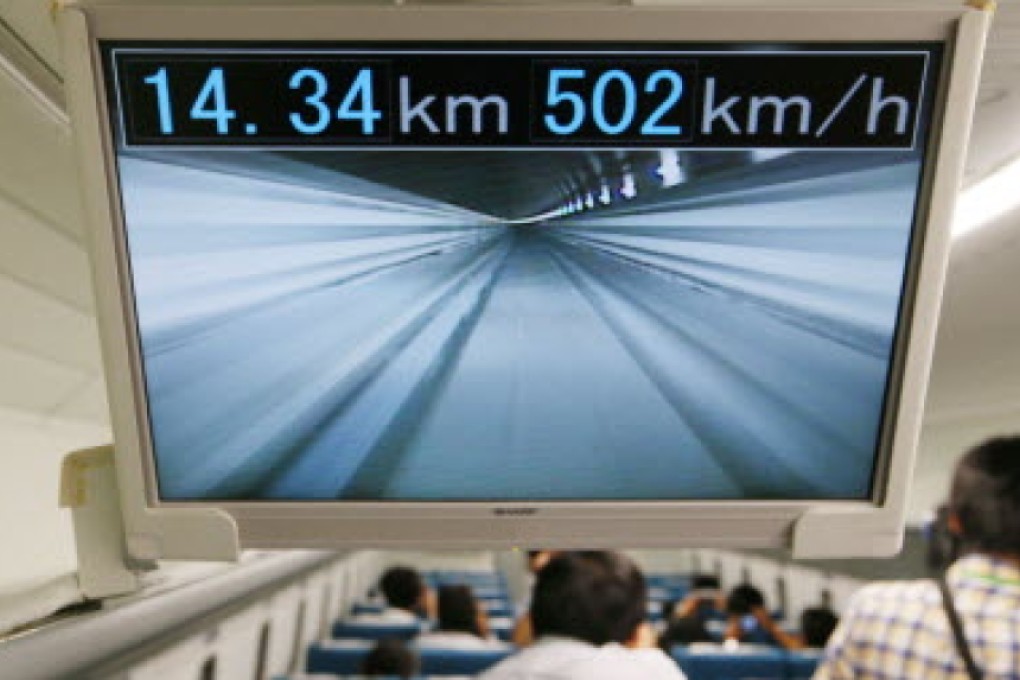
(458, 610)
(817, 624)
(743, 599)
(390, 657)
(705, 582)
(985, 496)
(597, 597)
(402, 587)
(686, 630)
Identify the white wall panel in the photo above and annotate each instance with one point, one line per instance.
(181, 662)
(764, 576)
(805, 587)
(237, 643)
(311, 596)
(338, 599)
(284, 615)
(315, 588)
(426, 561)
(657, 561)
(732, 571)
(842, 589)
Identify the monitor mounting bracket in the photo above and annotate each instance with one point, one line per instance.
(110, 557)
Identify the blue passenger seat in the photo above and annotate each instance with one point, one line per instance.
(723, 664)
(343, 657)
(801, 665)
(371, 630)
(339, 657)
(460, 661)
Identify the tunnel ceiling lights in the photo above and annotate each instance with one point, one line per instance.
(988, 200)
(670, 170)
(629, 188)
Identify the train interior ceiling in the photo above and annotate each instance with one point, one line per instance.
(266, 616)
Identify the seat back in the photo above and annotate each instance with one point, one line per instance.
(802, 665)
(763, 664)
(375, 630)
(339, 657)
(344, 657)
(459, 661)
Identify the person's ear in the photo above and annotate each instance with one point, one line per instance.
(482, 617)
(429, 602)
(954, 525)
(642, 637)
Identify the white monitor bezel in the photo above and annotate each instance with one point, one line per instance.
(814, 528)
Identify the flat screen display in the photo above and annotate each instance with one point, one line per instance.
(471, 272)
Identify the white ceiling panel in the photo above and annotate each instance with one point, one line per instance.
(32, 21)
(87, 404)
(48, 329)
(996, 134)
(977, 357)
(37, 169)
(40, 255)
(28, 383)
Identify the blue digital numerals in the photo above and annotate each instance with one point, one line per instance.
(166, 116)
(210, 111)
(209, 105)
(356, 105)
(612, 103)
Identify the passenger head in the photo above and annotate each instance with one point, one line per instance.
(686, 630)
(390, 657)
(705, 582)
(744, 599)
(984, 501)
(459, 611)
(816, 625)
(403, 588)
(596, 597)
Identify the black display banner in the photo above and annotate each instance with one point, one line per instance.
(793, 97)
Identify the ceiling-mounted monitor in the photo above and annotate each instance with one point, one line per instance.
(496, 276)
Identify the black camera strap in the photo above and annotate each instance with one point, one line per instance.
(956, 625)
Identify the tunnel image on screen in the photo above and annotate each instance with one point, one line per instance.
(516, 325)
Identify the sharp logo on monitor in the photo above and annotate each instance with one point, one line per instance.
(515, 512)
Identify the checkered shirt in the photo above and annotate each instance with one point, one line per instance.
(900, 630)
